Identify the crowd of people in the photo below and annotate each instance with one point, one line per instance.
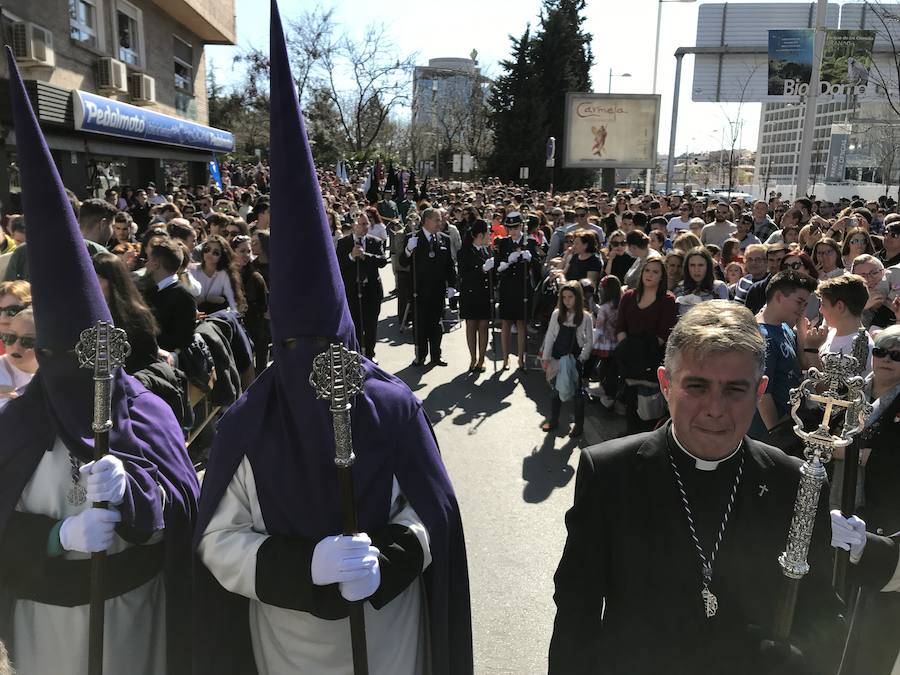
(693, 316)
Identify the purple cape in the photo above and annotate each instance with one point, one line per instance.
(59, 400)
(286, 432)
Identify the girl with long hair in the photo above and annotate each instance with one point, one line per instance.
(699, 282)
(570, 332)
(220, 283)
(128, 309)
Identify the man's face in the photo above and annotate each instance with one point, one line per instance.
(121, 230)
(361, 226)
(773, 260)
(140, 197)
(18, 236)
(871, 272)
(892, 240)
(722, 213)
(712, 400)
(792, 306)
(826, 209)
(755, 263)
(627, 225)
(759, 212)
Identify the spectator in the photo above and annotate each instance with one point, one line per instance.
(639, 249)
(605, 337)
(218, 277)
(763, 225)
(14, 297)
(569, 333)
(686, 241)
(890, 254)
(129, 311)
(717, 232)
(259, 246)
(257, 294)
(172, 304)
(856, 243)
(699, 282)
(843, 300)
(755, 264)
(734, 272)
(585, 262)
(18, 364)
(674, 268)
(153, 197)
(787, 295)
(744, 233)
(647, 314)
(618, 260)
(680, 223)
(827, 258)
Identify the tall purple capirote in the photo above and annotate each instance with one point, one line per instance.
(306, 300)
(67, 295)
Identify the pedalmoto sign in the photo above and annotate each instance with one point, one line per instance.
(102, 115)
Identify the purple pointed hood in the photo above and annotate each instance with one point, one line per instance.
(67, 295)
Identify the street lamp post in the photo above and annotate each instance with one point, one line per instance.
(659, 5)
(611, 76)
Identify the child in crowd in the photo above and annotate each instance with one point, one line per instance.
(605, 336)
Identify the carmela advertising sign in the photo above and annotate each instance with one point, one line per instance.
(102, 115)
(611, 131)
(846, 61)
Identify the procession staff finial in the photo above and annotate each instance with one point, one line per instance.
(102, 348)
(842, 389)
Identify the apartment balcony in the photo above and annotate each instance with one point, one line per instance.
(211, 20)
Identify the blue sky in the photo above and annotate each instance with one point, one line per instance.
(623, 40)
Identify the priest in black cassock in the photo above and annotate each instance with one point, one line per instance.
(671, 563)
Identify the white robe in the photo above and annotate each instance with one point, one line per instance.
(291, 642)
(54, 640)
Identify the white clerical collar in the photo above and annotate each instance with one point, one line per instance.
(704, 464)
(168, 281)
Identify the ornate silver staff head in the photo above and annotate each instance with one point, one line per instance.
(834, 388)
(102, 348)
(337, 376)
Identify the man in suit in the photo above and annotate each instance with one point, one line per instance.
(671, 563)
(173, 305)
(361, 258)
(428, 251)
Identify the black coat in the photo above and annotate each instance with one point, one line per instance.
(514, 285)
(433, 274)
(368, 266)
(176, 313)
(474, 283)
(629, 547)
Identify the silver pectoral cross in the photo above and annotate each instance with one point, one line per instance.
(763, 489)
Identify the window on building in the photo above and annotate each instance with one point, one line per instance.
(183, 54)
(130, 33)
(85, 22)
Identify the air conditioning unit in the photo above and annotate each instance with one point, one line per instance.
(141, 89)
(32, 44)
(112, 75)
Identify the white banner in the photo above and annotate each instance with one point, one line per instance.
(611, 131)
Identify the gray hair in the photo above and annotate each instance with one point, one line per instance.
(716, 327)
(431, 213)
(889, 338)
(865, 259)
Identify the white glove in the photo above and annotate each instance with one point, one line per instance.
(412, 243)
(526, 256)
(502, 267)
(360, 589)
(341, 558)
(848, 534)
(105, 480)
(513, 256)
(451, 292)
(488, 265)
(90, 531)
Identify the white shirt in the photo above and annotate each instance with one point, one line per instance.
(168, 281)
(217, 284)
(11, 377)
(844, 344)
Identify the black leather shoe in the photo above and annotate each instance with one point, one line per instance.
(419, 364)
(438, 362)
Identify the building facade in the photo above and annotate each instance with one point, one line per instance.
(119, 87)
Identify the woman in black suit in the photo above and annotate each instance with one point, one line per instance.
(475, 263)
(513, 257)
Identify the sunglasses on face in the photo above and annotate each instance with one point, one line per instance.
(881, 353)
(11, 310)
(795, 265)
(617, 243)
(894, 234)
(26, 342)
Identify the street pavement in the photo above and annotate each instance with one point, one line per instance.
(514, 484)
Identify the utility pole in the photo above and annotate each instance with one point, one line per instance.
(808, 133)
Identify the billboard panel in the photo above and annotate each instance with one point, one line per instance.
(611, 131)
(837, 153)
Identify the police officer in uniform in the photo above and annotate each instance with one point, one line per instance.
(476, 260)
(361, 257)
(513, 258)
(434, 278)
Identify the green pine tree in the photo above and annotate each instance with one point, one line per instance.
(529, 98)
(562, 60)
(518, 111)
